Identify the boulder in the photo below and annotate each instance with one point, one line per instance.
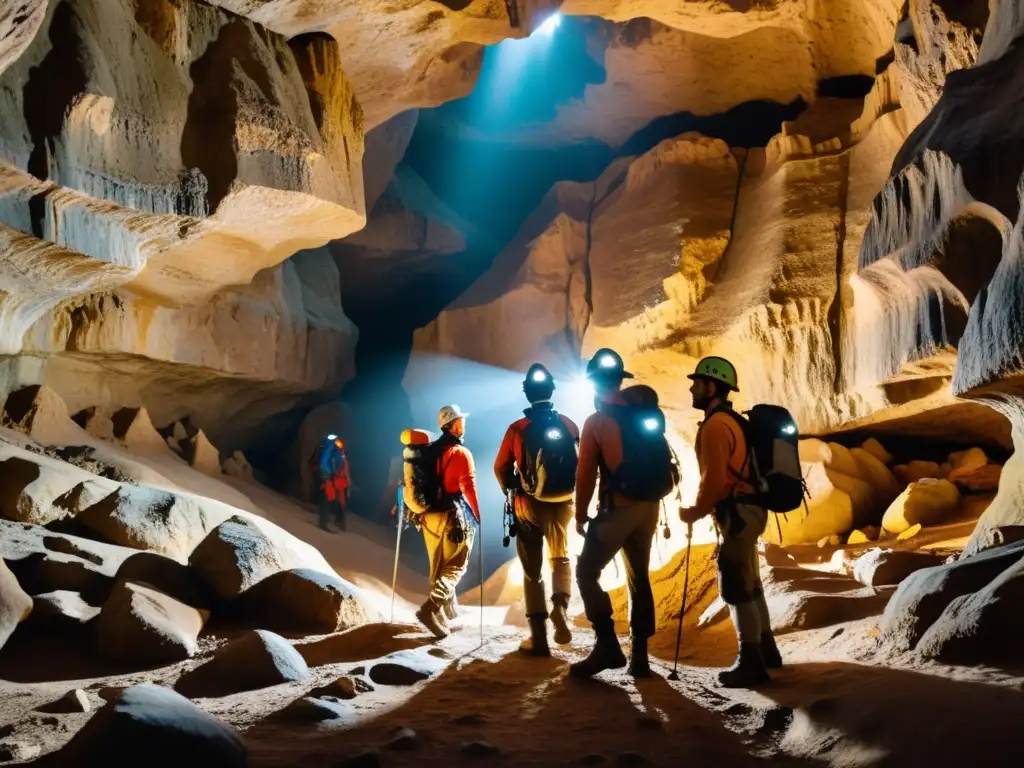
(15, 604)
(156, 727)
(43, 572)
(876, 449)
(967, 461)
(235, 556)
(140, 624)
(257, 659)
(924, 595)
(62, 610)
(167, 576)
(28, 490)
(143, 517)
(928, 502)
(201, 454)
(303, 601)
(886, 567)
(983, 479)
(981, 627)
(71, 702)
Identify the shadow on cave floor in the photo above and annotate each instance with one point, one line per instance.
(899, 717)
(531, 711)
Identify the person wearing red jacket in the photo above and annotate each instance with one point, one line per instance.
(334, 483)
(446, 532)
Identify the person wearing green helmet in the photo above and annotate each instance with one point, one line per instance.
(727, 493)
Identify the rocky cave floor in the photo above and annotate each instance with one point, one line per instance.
(389, 694)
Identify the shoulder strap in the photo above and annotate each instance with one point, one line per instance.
(744, 426)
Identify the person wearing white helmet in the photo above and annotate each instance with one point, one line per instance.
(446, 533)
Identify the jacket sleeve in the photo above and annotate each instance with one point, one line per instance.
(716, 448)
(586, 472)
(467, 481)
(505, 458)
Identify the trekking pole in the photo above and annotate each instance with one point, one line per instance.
(400, 519)
(674, 675)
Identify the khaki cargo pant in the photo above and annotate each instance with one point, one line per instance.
(542, 521)
(630, 528)
(739, 570)
(448, 562)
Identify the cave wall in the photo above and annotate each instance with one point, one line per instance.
(159, 163)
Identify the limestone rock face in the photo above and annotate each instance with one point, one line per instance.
(158, 163)
(928, 502)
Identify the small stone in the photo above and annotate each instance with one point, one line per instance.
(6, 730)
(479, 749)
(18, 751)
(389, 673)
(632, 758)
(403, 739)
(648, 723)
(73, 701)
(739, 709)
(357, 671)
(829, 541)
(345, 687)
(310, 710)
(368, 758)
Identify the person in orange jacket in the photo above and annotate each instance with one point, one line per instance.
(446, 532)
(334, 482)
(538, 521)
(726, 492)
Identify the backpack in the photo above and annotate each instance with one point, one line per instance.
(649, 469)
(422, 490)
(550, 456)
(329, 462)
(773, 451)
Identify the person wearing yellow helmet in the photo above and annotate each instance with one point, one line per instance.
(726, 491)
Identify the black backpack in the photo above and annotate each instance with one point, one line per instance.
(422, 490)
(550, 457)
(649, 469)
(773, 455)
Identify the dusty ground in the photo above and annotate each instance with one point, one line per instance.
(830, 706)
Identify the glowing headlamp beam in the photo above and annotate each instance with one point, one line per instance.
(550, 24)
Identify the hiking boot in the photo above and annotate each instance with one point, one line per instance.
(606, 654)
(770, 651)
(430, 616)
(560, 619)
(748, 671)
(451, 609)
(537, 643)
(639, 665)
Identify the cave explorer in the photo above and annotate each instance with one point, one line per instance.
(624, 521)
(334, 482)
(446, 532)
(725, 492)
(536, 463)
